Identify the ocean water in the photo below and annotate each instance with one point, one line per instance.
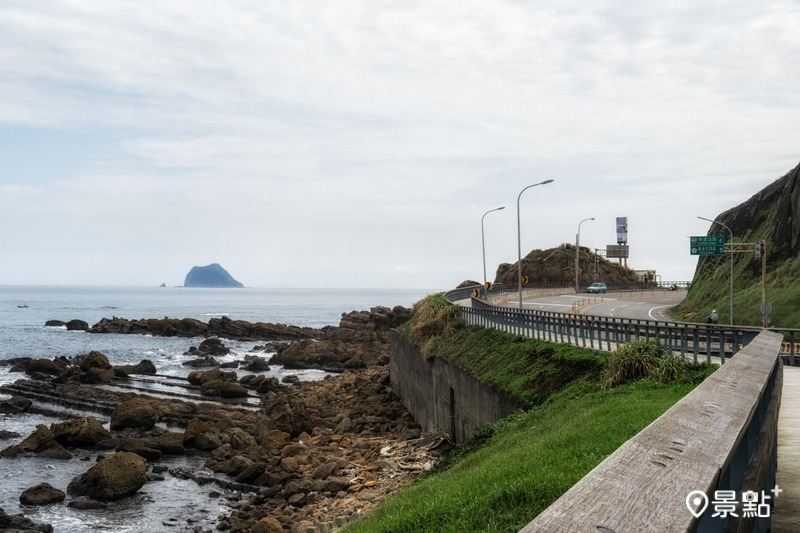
(25, 310)
(23, 313)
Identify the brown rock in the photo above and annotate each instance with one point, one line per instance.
(42, 494)
(267, 524)
(115, 477)
(79, 432)
(138, 413)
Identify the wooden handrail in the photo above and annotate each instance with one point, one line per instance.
(721, 436)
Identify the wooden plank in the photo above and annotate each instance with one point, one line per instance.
(644, 484)
(626, 493)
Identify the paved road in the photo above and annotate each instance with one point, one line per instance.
(648, 305)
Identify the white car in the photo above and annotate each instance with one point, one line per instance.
(597, 288)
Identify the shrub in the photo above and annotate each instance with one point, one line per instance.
(434, 316)
(671, 368)
(636, 360)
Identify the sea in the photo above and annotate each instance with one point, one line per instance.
(172, 504)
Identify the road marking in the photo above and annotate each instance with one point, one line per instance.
(650, 314)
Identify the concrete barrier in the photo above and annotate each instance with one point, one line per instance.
(442, 397)
(720, 437)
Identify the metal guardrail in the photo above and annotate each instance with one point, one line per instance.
(697, 341)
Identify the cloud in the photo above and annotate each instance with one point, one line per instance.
(353, 138)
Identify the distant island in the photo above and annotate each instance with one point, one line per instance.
(210, 276)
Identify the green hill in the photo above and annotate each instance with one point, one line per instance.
(772, 215)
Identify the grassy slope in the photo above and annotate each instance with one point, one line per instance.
(510, 472)
(531, 460)
(711, 290)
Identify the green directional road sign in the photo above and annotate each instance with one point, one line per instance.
(707, 245)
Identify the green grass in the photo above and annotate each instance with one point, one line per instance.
(525, 462)
(530, 370)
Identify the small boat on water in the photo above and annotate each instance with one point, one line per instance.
(23, 306)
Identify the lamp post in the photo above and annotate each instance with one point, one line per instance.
(483, 242)
(577, 254)
(731, 250)
(519, 240)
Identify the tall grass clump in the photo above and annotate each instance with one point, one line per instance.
(649, 359)
(434, 317)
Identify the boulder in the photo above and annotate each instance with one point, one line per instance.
(145, 366)
(202, 435)
(199, 377)
(254, 363)
(98, 375)
(138, 413)
(41, 494)
(77, 325)
(91, 360)
(44, 366)
(33, 443)
(79, 432)
(267, 524)
(212, 346)
(117, 476)
(20, 523)
(223, 389)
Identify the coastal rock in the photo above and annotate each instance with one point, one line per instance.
(15, 405)
(254, 363)
(41, 443)
(79, 432)
(77, 325)
(115, 477)
(360, 341)
(138, 413)
(168, 443)
(144, 367)
(44, 366)
(19, 523)
(223, 388)
(210, 276)
(199, 377)
(41, 494)
(202, 362)
(92, 360)
(209, 347)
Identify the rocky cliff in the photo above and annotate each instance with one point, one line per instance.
(771, 215)
(210, 276)
(557, 265)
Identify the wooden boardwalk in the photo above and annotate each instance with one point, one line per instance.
(786, 514)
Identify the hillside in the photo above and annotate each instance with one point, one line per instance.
(557, 265)
(773, 215)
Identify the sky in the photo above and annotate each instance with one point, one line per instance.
(358, 144)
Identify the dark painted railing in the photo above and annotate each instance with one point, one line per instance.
(698, 341)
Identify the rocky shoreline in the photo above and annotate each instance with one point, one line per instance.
(300, 456)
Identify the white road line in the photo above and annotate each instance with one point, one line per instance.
(650, 314)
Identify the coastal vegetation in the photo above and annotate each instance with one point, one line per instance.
(582, 406)
(770, 216)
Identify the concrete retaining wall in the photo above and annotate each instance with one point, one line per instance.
(442, 397)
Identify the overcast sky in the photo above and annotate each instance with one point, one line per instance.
(357, 144)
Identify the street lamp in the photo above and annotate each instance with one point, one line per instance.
(483, 242)
(731, 250)
(519, 240)
(577, 254)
